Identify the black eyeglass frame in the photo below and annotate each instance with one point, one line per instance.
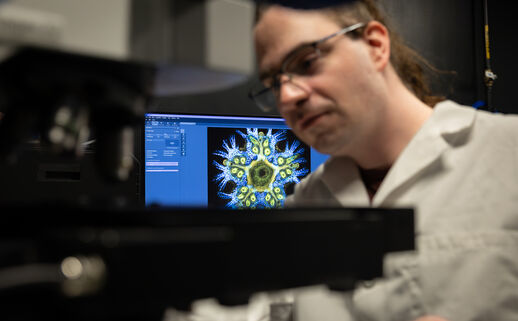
(276, 83)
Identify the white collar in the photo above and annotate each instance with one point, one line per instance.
(448, 126)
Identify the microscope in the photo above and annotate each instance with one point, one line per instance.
(64, 99)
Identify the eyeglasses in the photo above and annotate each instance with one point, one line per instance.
(297, 63)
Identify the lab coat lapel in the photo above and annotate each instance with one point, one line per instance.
(438, 134)
(413, 161)
(342, 178)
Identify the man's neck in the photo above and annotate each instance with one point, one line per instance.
(405, 115)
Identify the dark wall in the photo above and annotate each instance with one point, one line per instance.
(443, 32)
(450, 34)
(502, 28)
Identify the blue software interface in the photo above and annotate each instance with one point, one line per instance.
(222, 161)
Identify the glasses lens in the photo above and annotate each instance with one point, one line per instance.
(263, 97)
(301, 61)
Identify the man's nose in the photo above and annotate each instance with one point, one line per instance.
(292, 92)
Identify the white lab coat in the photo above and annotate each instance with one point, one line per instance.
(460, 173)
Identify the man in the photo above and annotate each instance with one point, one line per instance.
(347, 86)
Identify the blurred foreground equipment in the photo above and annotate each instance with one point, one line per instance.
(62, 99)
(87, 264)
(70, 75)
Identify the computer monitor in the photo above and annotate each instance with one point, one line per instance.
(222, 161)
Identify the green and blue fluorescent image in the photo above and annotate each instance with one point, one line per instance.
(255, 168)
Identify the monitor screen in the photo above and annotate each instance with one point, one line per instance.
(222, 161)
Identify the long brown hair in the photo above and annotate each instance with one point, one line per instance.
(409, 64)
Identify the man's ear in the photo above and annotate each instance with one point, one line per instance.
(377, 37)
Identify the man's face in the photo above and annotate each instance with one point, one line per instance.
(337, 106)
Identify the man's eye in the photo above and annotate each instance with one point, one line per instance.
(306, 63)
(303, 62)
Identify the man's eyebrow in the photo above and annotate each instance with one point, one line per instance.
(270, 72)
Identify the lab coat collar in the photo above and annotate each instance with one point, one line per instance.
(342, 176)
(448, 126)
